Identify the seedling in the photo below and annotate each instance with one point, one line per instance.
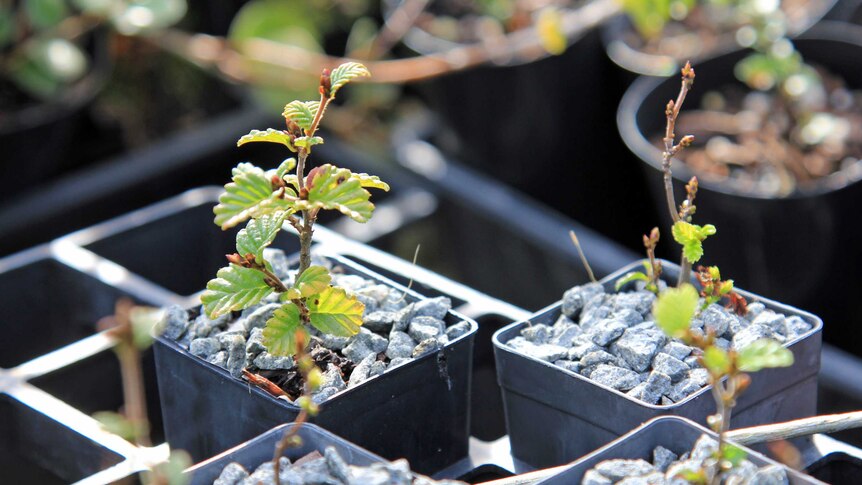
(266, 200)
(674, 310)
(676, 307)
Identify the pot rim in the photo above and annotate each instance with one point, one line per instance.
(365, 272)
(643, 87)
(817, 326)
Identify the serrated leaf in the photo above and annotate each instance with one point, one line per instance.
(335, 188)
(279, 335)
(335, 312)
(716, 361)
(259, 234)
(249, 190)
(301, 112)
(235, 288)
(345, 73)
(307, 142)
(284, 168)
(762, 354)
(674, 309)
(691, 236)
(271, 135)
(371, 181)
(312, 281)
(633, 276)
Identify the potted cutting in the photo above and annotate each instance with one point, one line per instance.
(331, 341)
(595, 365)
(792, 195)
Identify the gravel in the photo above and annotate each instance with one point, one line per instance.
(667, 465)
(329, 468)
(611, 338)
(395, 331)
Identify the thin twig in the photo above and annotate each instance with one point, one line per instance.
(400, 21)
(522, 46)
(583, 256)
(831, 423)
(410, 283)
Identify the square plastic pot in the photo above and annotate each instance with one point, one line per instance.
(36, 449)
(554, 416)
(676, 434)
(419, 410)
(259, 449)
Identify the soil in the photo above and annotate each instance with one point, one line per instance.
(707, 27)
(769, 147)
(290, 380)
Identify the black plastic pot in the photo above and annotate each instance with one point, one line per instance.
(792, 248)
(259, 449)
(634, 62)
(37, 449)
(554, 416)
(419, 411)
(542, 128)
(837, 468)
(37, 139)
(676, 434)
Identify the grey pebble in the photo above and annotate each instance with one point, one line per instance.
(576, 298)
(400, 345)
(175, 322)
(618, 469)
(232, 474)
(638, 345)
(234, 345)
(260, 316)
(606, 331)
(673, 367)
(458, 329)
(267, 361)
(677, 350)
(424, 327)
(380, 321)
(750, 334)
(663, 457)
(363, 344)
(433, 307)
(538, 333)
(652, 389)
(426, 346)
(204, 347)
(615, 377)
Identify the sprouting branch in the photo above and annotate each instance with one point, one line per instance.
(670, 150)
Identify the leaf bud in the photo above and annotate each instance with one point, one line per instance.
(325, 84)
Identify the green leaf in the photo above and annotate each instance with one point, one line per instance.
(716, 361)
(371, 181)
(308, 142)
(145, 322)
(690, 236)
(335, 312)
(279, 335)
(271, 135)
(312, 281)
(330, 187)
(259, 234)
(633, 276)
(171, 472)
(235, 288)
(249, 190)
(345, 73)
(285, 167)
(45, 13)
(674, 309)
(301, 113)
(117, 424)
(733, 454)
(762, 354)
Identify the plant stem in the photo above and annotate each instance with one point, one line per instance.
(133, 390)
(286, 440)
